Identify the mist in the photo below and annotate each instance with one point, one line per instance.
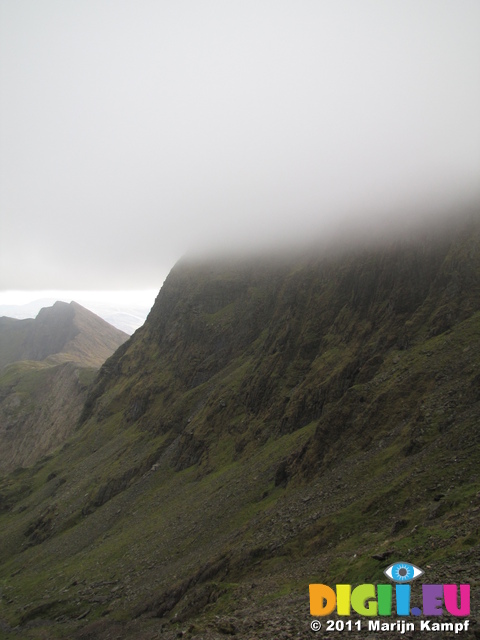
(134, 133)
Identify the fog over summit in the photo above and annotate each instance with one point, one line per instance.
(135, 132)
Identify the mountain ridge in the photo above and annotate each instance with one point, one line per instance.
(62, 328)
(126, 316)
(271, 425)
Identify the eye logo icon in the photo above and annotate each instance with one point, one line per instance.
(402, 572)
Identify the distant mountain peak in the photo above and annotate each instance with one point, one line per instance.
(46, 365)
(64, 330)
(125, 315)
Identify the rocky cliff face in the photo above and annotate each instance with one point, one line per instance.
(48, 364)
(273, 423)
(271, 347)
(39, 408)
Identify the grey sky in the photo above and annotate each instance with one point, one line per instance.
(132, 131)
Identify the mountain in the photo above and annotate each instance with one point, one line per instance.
(47, 364)
(274, 423)
(126, 316)
(61, 332)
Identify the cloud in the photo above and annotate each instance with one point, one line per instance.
(134, 132)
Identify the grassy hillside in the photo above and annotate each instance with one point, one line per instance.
(274, 423)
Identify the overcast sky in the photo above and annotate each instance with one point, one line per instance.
(134, 130)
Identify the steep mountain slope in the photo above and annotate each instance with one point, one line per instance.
(273, 423)
(39, 407)
(42, 395)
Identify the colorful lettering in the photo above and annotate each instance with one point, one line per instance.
(450, 595)
(384, 595)
(322, 600)
(367, 600)
(432, 599)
